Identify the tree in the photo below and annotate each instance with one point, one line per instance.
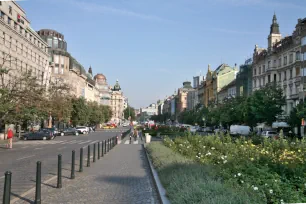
(297, 114)
(80, 112)
(265, 104)
(129, 111)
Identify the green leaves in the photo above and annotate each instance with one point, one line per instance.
(129, 111)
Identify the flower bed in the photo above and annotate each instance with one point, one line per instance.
(186, 181)
(275, 169)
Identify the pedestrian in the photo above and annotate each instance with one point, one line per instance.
(10, 135)
(135, 134)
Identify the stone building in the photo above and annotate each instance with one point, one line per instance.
(117, 102)
(282, 63)
(227, 92)
(192, 99)
(103, 89)
(182, 96)
(21, 48)
(244, 79)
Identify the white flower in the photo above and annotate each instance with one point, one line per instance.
(225, 157)
(225, 161)
(305, 185)
(212, 148)
(255, 188)
(235, 175)
(208, 153)
(271, 191)
(204, 147)
(239, 174)
(266, 184)
(282, 201)
(275, 180)
(242, 181)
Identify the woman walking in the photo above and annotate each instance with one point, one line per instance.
(10, 135)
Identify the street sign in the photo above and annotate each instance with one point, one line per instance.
(303, 122)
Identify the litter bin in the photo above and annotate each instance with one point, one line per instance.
(148, 138)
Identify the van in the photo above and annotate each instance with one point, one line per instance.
(240, 130)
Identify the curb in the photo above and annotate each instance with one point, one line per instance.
(160, 189)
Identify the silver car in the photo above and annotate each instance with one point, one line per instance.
(269, 134)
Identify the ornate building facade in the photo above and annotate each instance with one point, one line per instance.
(117, 104)
(22, 50)
(103, 89)
(282, 63)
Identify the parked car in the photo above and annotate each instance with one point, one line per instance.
(125, 124)
(82, 130)
(40, 135)
(269, 134)
(70, 131)
(54, 130)
(193, 129)
(240, 130)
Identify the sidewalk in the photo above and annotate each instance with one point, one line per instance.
(121, 176)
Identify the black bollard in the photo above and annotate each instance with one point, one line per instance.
(102, 149)
(59, 171)
(108, 148)
(38, 183)
(81, 160)
(72, 165)
(130, 139)
(105, 141)
(88, 156)
(94, 153)
(99, 150)
(7, 187)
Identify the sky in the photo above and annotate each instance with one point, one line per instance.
(152, 46)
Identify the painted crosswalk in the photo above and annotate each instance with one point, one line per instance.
(55, 142)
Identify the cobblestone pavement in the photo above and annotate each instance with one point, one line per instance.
(121, 176)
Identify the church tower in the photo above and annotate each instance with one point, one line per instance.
(275, 35)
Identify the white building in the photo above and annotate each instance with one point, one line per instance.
(150, 110)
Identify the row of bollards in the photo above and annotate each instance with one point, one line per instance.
(106, 146)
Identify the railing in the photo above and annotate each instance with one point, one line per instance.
(99, 149)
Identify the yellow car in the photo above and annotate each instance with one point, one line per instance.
(111, 127)
(106, 127)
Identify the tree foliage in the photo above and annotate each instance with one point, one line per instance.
(129, 111)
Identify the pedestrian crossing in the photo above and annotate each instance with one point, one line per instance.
(54, 142)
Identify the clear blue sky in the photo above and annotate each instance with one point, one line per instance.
(152, 46)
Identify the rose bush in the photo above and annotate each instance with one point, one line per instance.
(276, 169)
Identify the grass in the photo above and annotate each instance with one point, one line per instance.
(187, 182)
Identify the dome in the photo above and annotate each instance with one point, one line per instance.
(100, 76)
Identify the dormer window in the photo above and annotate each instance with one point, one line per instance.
(10, 10)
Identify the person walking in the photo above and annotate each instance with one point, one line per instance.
(10, 135)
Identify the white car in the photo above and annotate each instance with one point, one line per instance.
(83, 129)
(269, 134)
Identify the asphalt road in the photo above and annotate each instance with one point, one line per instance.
(21, 160)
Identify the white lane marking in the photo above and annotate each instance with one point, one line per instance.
(25, 157)
(2, 177)
(62, 148)
(24, 147)
(127, 142)
(65, 142)
(93, 142)
(39, 148)
(85, 142)
(135, 142)
(71, 142)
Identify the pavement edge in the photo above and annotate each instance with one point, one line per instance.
(160, 189)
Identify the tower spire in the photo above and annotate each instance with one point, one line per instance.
(274, 29)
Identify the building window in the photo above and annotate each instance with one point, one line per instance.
(269, 78)
(290, 73)
(297, 71)
(280, 62)
(290, 58)
(263, 68)
(1, 15)
(55, 42)
(259, 70)
(269, 62)
(285, 77)
(304, 56)
(279, 76)
(9, 20)
(274, 63)
(254, 71)
(10, 10)
(285, 60)
(297, 56)
(303, 41)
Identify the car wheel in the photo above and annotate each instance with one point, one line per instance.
(25, 138)
(44, 138)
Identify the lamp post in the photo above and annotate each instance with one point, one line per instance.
(204, 120)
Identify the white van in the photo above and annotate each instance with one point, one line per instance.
(240, 130)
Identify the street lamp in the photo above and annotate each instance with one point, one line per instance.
(204, 120)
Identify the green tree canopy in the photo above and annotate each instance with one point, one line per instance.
(129, 111)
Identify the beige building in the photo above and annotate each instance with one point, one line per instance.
(103, 89)
(282, 63)
(117, 104)
(182, 96)
(21, 48)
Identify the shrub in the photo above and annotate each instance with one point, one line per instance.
(188, 182)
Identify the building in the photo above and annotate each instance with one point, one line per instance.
(182, 96)
(117, 103)
(66, 69)
(150, 110)
(21, 48)
(160, 106)
(282, 62)
(103, 89)
(125, 102)
(167, 106)
(227, 92)
(244, 79)
(192, 99)
(201, 93)
(208, 88)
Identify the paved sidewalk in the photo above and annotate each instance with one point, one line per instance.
(121, 176)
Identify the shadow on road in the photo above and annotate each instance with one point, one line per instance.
(22, 198)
